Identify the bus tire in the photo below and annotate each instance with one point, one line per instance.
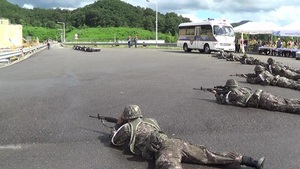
(185, 48)
(207, 49)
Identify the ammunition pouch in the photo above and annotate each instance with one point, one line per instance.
(274, 80)
(255, 98)
(155, 140)
(153, 144)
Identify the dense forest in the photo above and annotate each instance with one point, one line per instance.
(104, 20)
(102, 13)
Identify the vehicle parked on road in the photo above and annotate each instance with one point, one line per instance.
(206, 36)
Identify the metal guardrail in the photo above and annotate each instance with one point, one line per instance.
(120, 43)
(6, 56)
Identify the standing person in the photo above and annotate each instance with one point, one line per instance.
(135, 41)
(244, 97)
(146, 139)
(129, 41)
(48, 44)
(237, 45)
(278, 43)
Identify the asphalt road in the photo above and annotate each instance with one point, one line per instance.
(46, 101)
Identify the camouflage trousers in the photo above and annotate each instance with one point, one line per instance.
(251, 61)
(289, 74)
(275, 103)
(288, 83)
(173, 152)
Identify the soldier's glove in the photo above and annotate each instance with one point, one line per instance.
(154, 143)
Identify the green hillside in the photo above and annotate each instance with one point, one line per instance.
(118, 17)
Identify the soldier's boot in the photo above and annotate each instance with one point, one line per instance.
(250, 162)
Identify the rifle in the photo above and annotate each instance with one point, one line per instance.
(239, 75)
(103, 119)
(219, 89)
(250, 75)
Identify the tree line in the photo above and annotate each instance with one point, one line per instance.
(102, 13)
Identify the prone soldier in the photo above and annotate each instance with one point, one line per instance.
(264, 77)
(146, 139)
(244, 97)
(233, 57)
(245, 59)
(220, 55)
(278, 68)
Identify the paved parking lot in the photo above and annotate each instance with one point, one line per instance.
(46, 101)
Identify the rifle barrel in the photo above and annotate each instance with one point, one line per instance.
(94, 117)
(108, 119)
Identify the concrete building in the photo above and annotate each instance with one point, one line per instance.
(11, 36)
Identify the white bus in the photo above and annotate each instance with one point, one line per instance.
(206, 36)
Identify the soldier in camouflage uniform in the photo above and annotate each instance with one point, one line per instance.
(245, 59)
(228, 56)
(220, 55)
(278, 68)
(264, 77)
(244, 97)
(146, 139)
(233, 57)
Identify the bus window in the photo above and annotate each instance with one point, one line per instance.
(182, 31)
(228, 31)
(205, 29)
(223, 30)
(198, 31)
(190, 30)
(218, 30)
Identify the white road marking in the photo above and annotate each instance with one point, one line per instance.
(13, 146)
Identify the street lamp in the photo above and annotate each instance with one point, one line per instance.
(64, 30)
(156, 21)
(61, 34)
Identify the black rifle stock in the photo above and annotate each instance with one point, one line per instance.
(108, 119)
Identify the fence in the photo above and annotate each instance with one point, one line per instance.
(9, 56)
(123, 43)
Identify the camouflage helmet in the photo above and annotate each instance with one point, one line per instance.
(132, 112)
(231, 83)
(271, 61)
(259, 68)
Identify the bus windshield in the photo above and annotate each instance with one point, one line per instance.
(223, 30)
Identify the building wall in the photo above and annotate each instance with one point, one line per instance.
(11, 36)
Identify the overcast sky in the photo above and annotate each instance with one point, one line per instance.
(280, 12)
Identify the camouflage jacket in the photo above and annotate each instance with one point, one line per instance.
(137, 133)
(264, 78)
(238, 96)
(286, 67)
(276, 69)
